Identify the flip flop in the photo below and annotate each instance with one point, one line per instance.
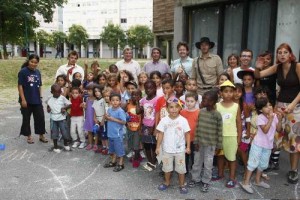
(43, 139)
(162, 187)
(30, 140)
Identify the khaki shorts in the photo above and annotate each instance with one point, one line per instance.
(168, 162)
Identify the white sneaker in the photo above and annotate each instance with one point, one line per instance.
(130, 154)
(82, 145)
(75, 144)
(57, 150)
(142, 154)
(67, 148)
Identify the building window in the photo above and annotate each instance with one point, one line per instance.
(234, 26)
(123, 20)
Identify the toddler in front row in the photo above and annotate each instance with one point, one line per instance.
(57, 106)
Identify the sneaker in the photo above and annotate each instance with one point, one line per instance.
(95, 147)
(130, 154)
(153, 166)
(247, 188)
(205, 187)
(193, 183)
(67, 148)
(142, 154)
(82, 145)
(75, 144)
(147, 167)
(89, 147)
(262, 184)
(293, 177)
(104, 151)
(57, 150)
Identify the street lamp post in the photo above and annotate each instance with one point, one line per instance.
(26, 35)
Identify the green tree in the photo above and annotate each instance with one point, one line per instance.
(78, 36)
(139, 36)
(113, 36)
(57, 38)
(17, 16)
(44, 39)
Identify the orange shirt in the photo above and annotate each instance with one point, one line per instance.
(192, 118)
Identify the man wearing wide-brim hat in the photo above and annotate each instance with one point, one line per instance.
(207, 67)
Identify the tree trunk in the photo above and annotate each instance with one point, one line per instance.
(3, 42)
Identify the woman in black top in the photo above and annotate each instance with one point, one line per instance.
(288, 78)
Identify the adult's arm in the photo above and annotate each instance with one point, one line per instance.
(22, 96)
(259, 73)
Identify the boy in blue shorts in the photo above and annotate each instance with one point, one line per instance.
(116, 119)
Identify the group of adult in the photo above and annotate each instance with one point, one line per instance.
(205, 69)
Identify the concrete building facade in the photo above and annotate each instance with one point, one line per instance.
(93, 15)
(258, 25)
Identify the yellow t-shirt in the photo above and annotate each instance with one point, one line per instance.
(229, 119)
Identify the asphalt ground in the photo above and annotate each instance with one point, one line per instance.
(33, 171)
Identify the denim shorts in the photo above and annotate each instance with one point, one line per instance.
(57, 127)
(116, 146)
(258, 158)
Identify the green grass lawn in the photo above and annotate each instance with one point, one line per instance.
(9, 69)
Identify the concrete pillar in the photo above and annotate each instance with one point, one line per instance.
(66, 50)
(37, 48)
(101, 49)
(148, 51)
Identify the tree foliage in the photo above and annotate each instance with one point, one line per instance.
(43, 37)
(139, 36)
(78, 36)
(16, 15)
(57, 38)
(113, 36)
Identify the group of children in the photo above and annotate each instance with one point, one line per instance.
(167, 119)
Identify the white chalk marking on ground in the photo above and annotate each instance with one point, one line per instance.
(84, 180)
(296, 191)
(7, 155)
(233, 193)
(54, 176)
(261, 196)
(14, 117)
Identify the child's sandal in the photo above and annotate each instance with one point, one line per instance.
(183, 190)
(110, 164)
(118, 168)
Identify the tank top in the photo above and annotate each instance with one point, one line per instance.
(289, 86)
(229, 118)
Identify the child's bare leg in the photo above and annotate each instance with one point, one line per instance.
(232, 168)
(258, 176)
(90, 138)
(220, 165)
(181, 178)
(247, 177)
(244, 157)
(96, 139)
(167, 178)
(121, 161)
(114, 158)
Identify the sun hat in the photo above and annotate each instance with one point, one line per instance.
(207, 40)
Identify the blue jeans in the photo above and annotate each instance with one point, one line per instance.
(59, 127)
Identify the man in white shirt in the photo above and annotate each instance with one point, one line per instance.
(245, 59)
(71, 67)
(129, 64)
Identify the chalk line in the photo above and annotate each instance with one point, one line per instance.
(54, 176)
(261, 196)
(296, 191)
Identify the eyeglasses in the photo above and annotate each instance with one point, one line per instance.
(246, 56)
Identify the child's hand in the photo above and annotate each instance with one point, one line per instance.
(218, 151)
(48, 109)
(157, 151)
(102, 123)
(188, 150)
(279, 116)
(63, 110)
(83, 105)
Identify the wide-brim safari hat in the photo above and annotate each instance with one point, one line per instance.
(207, 40)
(244, 72)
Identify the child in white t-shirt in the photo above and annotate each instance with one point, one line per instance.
(174, 135)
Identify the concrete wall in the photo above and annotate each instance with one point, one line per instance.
(288, 25)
